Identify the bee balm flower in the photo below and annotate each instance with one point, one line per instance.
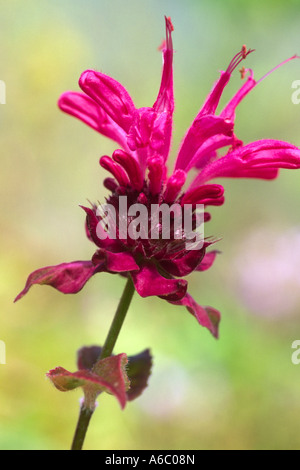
(139, 171)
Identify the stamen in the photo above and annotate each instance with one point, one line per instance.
(243, 72)
(169, 29)
(167, 43)
(238, 58)
(277, 66)
(244, 51)
(169, 24)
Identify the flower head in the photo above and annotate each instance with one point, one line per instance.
(210, 149)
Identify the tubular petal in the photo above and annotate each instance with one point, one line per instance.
(131, 166)
(207, 260)
(202, 193)
(229, 110)
(115, 169)
(84, 108)
(257, 159)
(156, 173)
(214, 96)
(165, 98)
(202, 129)
(174, 186)
(110, 95)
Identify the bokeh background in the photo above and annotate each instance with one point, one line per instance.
(240, 392)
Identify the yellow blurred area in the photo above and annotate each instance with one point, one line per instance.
(240, 392)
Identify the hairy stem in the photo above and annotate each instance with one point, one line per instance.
(81, 428)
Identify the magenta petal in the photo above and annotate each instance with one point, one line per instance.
(68, 278)
(207, 152)
(165, 98)
(115, 169)
(174, 185)
(229, 111)
(148, 134)
(233, 169)
(257, 159)
(269, 154)
(92, 222)
(110, 95)
(214, 96)
(202, 194)
(149, 282)
(140, 133)
(185, 265)
(259, 173)
(207, 261)
(203, 128)
(116, 262)
(131, 166)
(156, 174)
(120, 262)
(88, 111)
(93, 229)
(206, 316)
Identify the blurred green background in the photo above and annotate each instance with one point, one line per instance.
(240, 392)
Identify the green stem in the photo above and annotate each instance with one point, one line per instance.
(118, 320)
(81, 428)
(86, 413)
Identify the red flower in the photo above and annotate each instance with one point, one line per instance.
(139, 172)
